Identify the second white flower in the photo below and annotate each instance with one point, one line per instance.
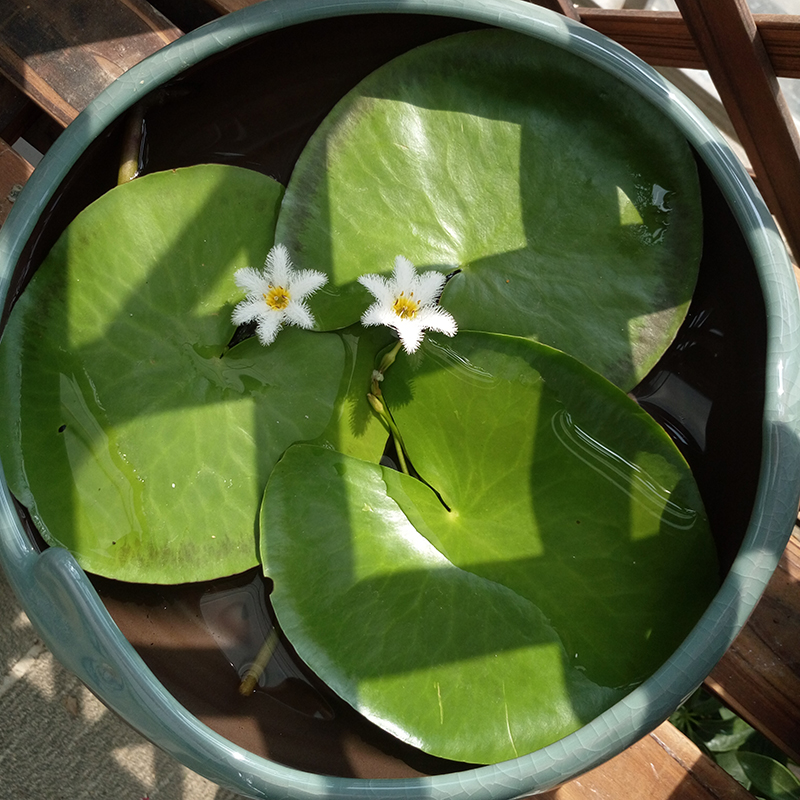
(408, 303)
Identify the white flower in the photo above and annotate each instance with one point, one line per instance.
(408, 303)
(276, 295)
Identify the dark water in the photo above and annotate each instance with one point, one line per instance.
(707, 391)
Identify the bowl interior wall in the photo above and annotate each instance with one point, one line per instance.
(255, 106)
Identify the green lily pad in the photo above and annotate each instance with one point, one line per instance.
(558, 555)
(130, 433)
(569, 203)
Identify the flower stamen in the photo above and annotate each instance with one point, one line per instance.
(276, 295)
(277, 298)
(406, 307)
(408, 303)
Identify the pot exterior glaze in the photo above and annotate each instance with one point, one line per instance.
(65, 608)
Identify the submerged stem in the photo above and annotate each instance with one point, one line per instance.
(131, 145)
(250, 680)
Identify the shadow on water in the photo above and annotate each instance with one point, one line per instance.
(706, 385)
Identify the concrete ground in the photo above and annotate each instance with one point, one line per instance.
(58, 742)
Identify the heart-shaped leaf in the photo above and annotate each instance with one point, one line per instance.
(130, 433)
(569, 203)
(456, 665)
(563, 555)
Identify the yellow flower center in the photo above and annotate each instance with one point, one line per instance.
(277, 298)
(406, 307)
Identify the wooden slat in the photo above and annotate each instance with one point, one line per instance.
(16, 111)
(781, 37)
(14, 171)
(62, 55)
(564, 7)
(759, 676)
(658, 37)
(749, 90)
(662, 766)
(227, 6)
(663, 38)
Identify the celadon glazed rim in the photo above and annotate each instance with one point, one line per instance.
(64, 607)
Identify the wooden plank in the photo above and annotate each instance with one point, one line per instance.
(227, 6)
(16, 111)
(759, 676)
(62, 55)
(663, 38)
(659, 37)
(781, 36)
(564, 7)
(14, 171)
(662, 766)
(749, 90)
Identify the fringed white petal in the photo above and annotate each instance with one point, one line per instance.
(429, 287)
(279, 265)
(248, 310)
(269, 324)
(250, 280)
(436, 318)
(378, 314)
(411, 333)
(405, 276)
(297, 313)
(381, 289)
(306, 282)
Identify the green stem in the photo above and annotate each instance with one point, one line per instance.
(131, 144)
(376, 401)
(389, 358)
(250, 680)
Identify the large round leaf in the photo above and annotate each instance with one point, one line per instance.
(457, 665)
(563, 555)
(131, 438)
(569, 203)
(592, 512)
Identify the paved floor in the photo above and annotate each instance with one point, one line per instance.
(58, 742)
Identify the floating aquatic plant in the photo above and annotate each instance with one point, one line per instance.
(408, 303)
(276, 295)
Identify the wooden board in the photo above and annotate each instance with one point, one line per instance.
(759, 676)
(748, 87)
(662, 766)
(662, 38)
(14, 171)
(63, 54)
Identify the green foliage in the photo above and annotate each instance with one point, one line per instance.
(132, 440)
(550, 548)
(470, 611)
(569, 203)
(739, 749)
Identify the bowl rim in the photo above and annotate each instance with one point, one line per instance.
(54, 590)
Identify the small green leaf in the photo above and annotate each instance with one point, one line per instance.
(768, 778)
(133, 441)
(569, 203)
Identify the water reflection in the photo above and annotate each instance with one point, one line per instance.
(240, 623)
(626, 475)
